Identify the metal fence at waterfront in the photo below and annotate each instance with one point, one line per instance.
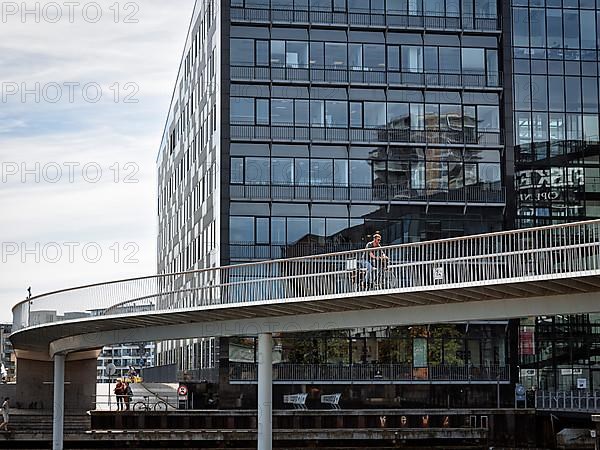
(580, 400)
(245, 371)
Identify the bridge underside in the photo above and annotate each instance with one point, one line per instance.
(486, 302)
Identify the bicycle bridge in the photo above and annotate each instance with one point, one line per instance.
(538, 271)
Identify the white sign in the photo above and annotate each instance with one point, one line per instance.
(581, 383)
(182, 391)
(438, 274)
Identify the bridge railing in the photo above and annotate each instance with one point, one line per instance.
(531, 254)
(580, 400)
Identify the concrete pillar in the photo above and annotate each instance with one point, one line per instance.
(59, 402)
(596, 421)
(265, 391)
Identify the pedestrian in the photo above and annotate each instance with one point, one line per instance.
(119, 392)
(375, 259)
(5, 414)
(128, 395)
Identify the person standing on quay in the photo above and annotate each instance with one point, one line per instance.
(5, 414)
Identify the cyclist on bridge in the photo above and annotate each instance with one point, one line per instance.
(376, 259)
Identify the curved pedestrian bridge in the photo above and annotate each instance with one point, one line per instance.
(539, 271)
(536, 271)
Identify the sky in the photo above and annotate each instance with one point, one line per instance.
(84, 95)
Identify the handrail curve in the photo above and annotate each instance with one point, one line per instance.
(534, 253)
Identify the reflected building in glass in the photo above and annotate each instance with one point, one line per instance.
(300, 127)
(555, 102)
(347, 118)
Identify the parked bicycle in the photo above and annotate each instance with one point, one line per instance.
(146, 405)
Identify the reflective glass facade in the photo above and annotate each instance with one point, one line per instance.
(347, 118)
(555, 87)
(555, 64)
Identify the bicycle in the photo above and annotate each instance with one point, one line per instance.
(381, 278)
(384, 277)
(147, 406)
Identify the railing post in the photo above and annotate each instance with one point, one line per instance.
(587, 401)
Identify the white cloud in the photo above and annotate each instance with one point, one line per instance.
(106, 133)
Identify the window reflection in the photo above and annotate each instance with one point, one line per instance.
(297, 228)
(297, 54)
(336, 55)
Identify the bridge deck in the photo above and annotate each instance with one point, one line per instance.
(479, 302)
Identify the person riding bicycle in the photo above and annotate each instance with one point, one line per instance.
(376, 259)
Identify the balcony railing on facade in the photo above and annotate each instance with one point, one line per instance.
(290, 132)
(432, 20)
(378, 193)
(580, 400)
(370, 76)
(251, 251)
(372, 373)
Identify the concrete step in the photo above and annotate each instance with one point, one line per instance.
(37, 423)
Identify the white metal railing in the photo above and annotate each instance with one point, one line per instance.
(137, 402)
(558, 251)
(580, 400)
(246, 371)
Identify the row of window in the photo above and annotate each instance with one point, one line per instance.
(555, 28)
(556, 93)
(453, 348)
(542, 214)
(355, 56)
(440, 169)
(341, 114)
(584, 4)
(481, 8)
(542, 127)
(314, 228)
(559, 61)
(522, 64)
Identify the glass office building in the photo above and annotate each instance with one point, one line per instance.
(554, 108)
(304, 126)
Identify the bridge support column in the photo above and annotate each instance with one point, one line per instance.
(59, 402)
(265, 391)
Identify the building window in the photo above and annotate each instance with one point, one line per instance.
(241, 229)
(242, 110)
(242, 52)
